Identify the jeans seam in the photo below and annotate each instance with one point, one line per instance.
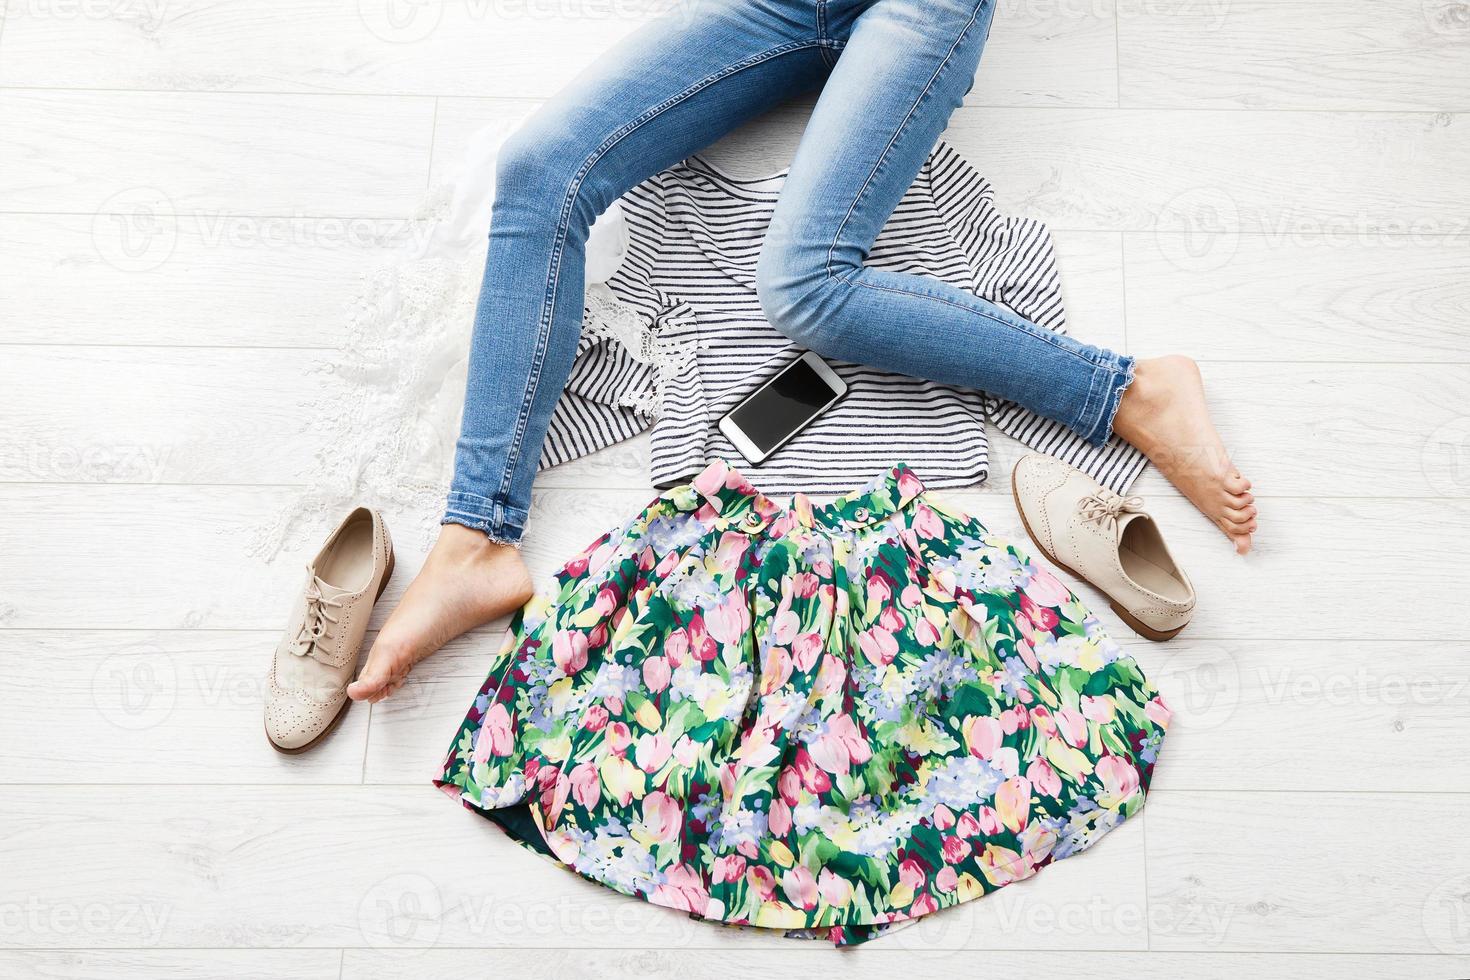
(822, 38)
(897, 133)
(548, 306)
(1089, 415)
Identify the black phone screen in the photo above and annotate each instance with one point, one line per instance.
(785, 404)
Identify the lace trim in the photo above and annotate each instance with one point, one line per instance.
(607, 318)
(388, 404)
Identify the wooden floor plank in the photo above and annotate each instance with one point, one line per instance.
(168, 706)
(1295, 54)
(1368, 173)
(173, 964)
(139, 158)
(1299, 296)
(197, 280)
(1283, 715)
(1336, 880)
(1039, 54)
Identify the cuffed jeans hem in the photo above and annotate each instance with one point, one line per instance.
(498, 522)
(1109, 382)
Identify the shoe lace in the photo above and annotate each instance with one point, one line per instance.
(319, 620)
(1105, 509)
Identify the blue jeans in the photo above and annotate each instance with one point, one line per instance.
(890, 73)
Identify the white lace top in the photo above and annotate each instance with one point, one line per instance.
(675, 337)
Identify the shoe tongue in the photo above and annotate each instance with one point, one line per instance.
(327, 589)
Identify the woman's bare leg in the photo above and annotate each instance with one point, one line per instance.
(467, 581)
(666, 93)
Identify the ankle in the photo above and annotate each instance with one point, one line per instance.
(467, 546)
(1156, 380)
(1155, 389)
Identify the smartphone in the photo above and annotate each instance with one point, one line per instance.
(776, 411)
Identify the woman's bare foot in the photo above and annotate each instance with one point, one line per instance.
(466, 581)
(1163, 413)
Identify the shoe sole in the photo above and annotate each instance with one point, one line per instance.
(337, 718)
(1147, 632)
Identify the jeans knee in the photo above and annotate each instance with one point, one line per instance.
(543, 172)
(800, 297)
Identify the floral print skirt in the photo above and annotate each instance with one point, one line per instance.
(819, 719)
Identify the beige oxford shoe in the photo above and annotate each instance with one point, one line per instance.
(306, 694)
(1110, 541)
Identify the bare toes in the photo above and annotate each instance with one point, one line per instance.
(1242, 515)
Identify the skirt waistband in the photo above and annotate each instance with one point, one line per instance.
(736, 504)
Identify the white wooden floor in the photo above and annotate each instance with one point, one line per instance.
(1278, 187)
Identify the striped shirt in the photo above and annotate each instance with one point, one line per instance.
(676, 338)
